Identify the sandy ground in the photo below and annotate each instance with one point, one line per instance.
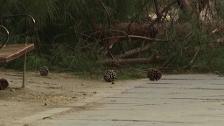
(42, 93)
(64, 99)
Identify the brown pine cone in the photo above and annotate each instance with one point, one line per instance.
(110, 76)
(154, 75)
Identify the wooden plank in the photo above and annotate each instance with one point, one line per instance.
(14, 51)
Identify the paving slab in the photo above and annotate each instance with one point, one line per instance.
(176, 100)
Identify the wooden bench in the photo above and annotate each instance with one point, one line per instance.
(9, 52)
(14, 51)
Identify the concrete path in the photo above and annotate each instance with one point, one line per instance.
(177, 100)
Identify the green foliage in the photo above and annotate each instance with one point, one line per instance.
(62, 24)
(220, 8)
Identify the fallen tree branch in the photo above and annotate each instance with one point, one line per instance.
(144, 29)
(118, 62)
(134, 51)
(135, 37)
(115, 39)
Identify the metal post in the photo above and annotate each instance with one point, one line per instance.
(24, 72)
(24, 64)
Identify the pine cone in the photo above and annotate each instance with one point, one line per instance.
(3, 84)
(43, 71)
(110, 75)
(154, 75)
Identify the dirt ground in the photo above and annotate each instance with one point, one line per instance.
(41, 93)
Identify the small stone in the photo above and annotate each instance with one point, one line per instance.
(47, 117)
(13, 90)
(3, 84)
(44, 71)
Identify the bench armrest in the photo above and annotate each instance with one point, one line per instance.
(6, 32)
(22, 16)
(32, 29)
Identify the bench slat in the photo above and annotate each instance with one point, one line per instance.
(14, 51)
